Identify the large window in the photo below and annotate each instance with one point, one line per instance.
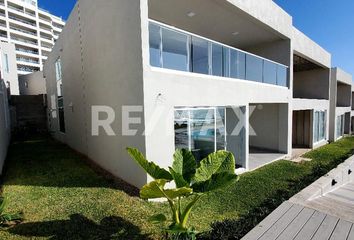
(201, 130)
(319, 126)
(340, 126)
(178, 50)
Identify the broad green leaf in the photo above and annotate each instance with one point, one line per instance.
(178, 192)
(158, 218)
(184, 164)
(151, 168)
(218, 162)
(217, 181)
(178, 178)
(155, 190)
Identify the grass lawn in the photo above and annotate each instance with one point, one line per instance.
(63, 198)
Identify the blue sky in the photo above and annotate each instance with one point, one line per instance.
(60, 8)
(329, 23)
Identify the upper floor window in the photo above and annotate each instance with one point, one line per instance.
(58, 73)
(6, 63)
(182, 51)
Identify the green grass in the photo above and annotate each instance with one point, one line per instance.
(63, 198)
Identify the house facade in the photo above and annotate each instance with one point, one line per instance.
(311, 94)
(170, 79)
(341, 103)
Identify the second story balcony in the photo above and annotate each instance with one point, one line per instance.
(176, 49)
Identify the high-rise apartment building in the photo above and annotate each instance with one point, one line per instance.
(32, 30)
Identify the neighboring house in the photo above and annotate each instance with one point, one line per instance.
(8, 67)
(204, 75)
(341, 104)
(32, 30)
(311, 80)
(32, 84)
(4, 124)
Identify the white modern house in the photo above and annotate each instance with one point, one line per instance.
(341, 104)
(311, 83)
(187, 83)
(32, 30)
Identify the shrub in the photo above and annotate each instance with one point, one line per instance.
(192, 181)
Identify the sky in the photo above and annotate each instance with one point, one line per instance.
(329, 23)
(61, 8)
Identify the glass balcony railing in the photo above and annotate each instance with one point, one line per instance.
(178, 50)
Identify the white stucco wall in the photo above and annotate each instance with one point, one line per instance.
(100, 51)
(267, 12)
(310, 50)
(338, 76)
(9, 77)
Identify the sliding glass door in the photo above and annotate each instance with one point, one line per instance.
(319, 126)
(201, 130)
(340, 126)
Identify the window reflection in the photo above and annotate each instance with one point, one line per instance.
(174, 50)
(201, 130)
(200, 56)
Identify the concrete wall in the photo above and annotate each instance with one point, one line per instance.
(313, 84)
(166, 89)
(308, 49)
(4, 124)
(344, 95)
(32, 84)
(338, 78)
(10, 77)
(102, 65)
(270, 125)
(29, 114)
(267, 12)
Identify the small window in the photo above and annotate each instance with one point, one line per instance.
(6, 63)
(58, 72)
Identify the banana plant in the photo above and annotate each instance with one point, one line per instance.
(192, 180)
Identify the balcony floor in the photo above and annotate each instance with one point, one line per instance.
(260, 157)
